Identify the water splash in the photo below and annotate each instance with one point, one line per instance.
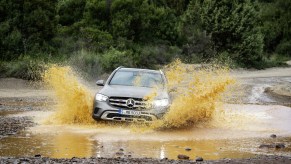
(197, 93)
(74, 101)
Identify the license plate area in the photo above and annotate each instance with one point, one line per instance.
(129, 112)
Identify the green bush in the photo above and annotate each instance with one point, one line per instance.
(25, 67)
(86, 63)
(284, 48)
(114, 58)
(151, 56)
(224, 59)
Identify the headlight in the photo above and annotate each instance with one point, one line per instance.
(100, 97)
(161, 103)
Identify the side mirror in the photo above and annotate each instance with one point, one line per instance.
(100, 83)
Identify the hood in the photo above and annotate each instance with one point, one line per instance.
(131, 91)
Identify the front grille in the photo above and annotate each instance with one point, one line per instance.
(112, 115)
(122, 102)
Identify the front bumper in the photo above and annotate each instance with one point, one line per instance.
(104, 111)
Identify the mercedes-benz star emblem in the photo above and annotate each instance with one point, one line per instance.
(130, 103)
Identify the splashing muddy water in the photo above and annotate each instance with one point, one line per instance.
(197, 94)
(74, 100)
(231, 131)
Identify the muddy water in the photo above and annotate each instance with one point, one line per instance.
(244, 128)
(68, 145)
(234, 131)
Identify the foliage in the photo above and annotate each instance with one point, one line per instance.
(86, 62)
(114, 58)
(154, 55)
(234, 28)
(25, 67)
(104, 34)
(26, 26)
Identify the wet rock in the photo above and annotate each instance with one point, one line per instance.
(199, 159)
(10, 133)
(262, 159)
(74, 159)
(24, 160)
(12, 125)
(188, 149)
(280, 146)
(268, 146)
(273, 136)
(182, 156)
(119, 153)
(37, 155)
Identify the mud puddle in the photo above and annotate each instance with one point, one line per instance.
(235, 131)
(239, 135)
(68, 145)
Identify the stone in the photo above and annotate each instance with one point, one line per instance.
(280, 146)
(182, 156)
(37, 155)
(188, 149)
(273, 136)
(119, 153)
(121, 149)
(266, 146)
(199, 159)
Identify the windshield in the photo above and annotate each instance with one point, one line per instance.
(135, 78)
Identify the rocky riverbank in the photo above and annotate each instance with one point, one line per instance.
(38, 159)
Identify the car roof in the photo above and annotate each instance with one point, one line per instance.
(138, 70)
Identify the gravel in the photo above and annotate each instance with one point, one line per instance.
(37, 160)
(12, 125)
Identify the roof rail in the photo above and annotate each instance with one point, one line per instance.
(118, 68)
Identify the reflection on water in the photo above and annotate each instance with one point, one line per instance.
(64, 145)
(68, 145)
(237, 134)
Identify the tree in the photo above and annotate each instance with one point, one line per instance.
(276, 26)
(234, 27)
(26, 27)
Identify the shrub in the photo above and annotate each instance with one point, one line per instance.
(151, 56)
(87, 63)
(25, 67)
(114, 58)
(284, 48)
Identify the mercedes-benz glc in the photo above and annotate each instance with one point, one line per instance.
(132, 94)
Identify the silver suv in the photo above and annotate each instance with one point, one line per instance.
(124, 96)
